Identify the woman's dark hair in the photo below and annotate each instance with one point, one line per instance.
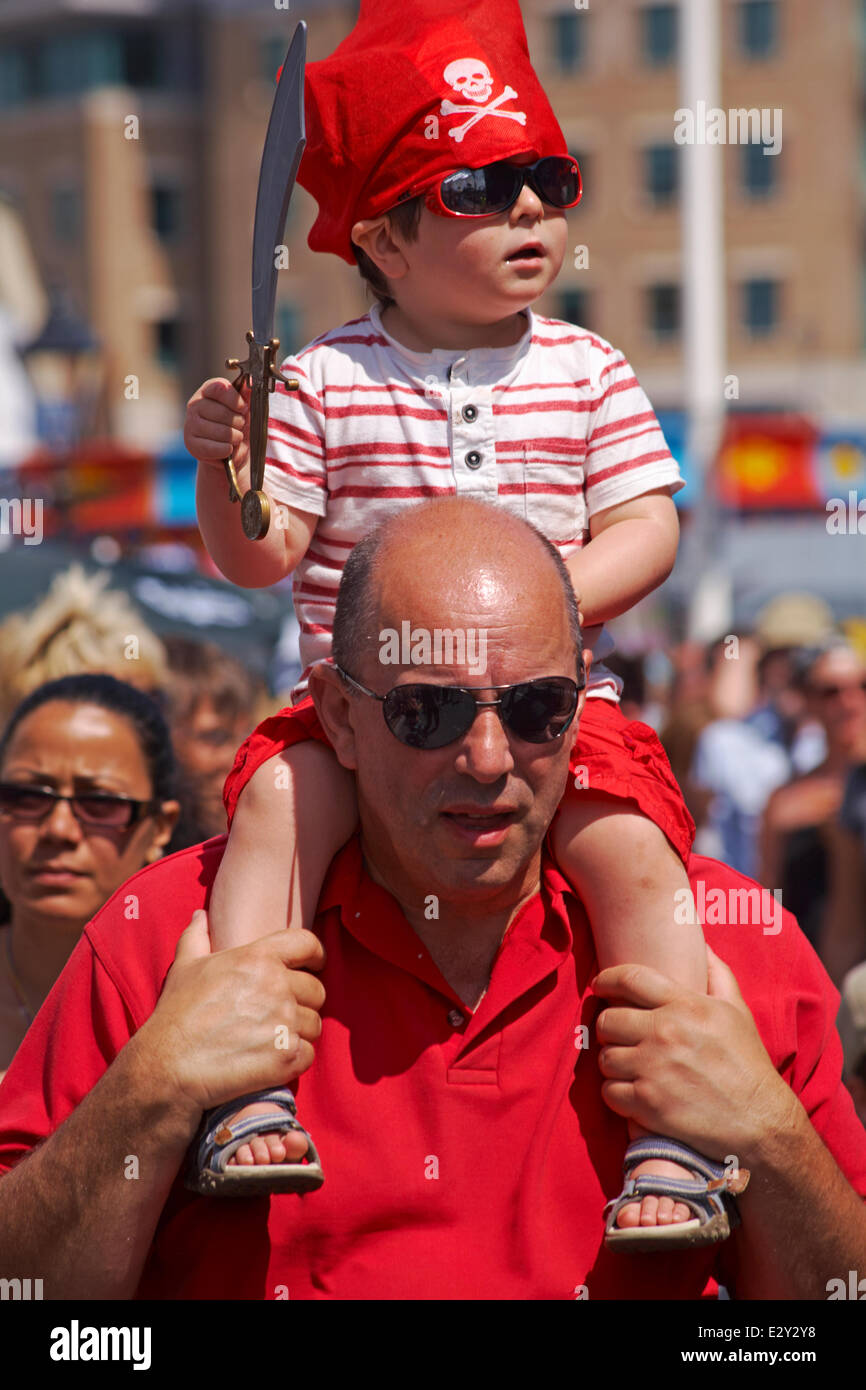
(405, 216)
(140, 710)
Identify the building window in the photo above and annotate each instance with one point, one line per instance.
(574, 307)
(144, 58)
(166, 211)
(659, 25)
(759, 27)
(66, 214)
(661, 173)
(758, 170)
(761, 306)
(78, 63)
(568, 38)
(14, 82)
(167, 333)
(272, 53)
(664, 311)
(287, 327)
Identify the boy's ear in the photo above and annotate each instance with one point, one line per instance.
(333, 706)
(374, 236)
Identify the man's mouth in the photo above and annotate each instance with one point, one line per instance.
(480, 826)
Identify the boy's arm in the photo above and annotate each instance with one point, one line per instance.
(632, 551)
(217, 423)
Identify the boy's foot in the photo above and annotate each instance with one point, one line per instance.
(662, 1176)
(655, 1211)
(276, 1153)
(267, 1148)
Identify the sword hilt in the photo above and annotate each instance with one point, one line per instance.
(260, 374)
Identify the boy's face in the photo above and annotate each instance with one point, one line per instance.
(481, 270)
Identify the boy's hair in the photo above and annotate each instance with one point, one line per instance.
(405, 217)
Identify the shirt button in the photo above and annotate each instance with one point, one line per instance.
(455, 1018)
(470, 413)
(473, 459)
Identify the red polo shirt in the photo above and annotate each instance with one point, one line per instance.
(466, 1155)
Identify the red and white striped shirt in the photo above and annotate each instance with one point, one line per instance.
(554, 427)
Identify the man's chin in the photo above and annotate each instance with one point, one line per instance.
(476, 870)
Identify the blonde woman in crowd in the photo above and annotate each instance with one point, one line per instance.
(80, 625)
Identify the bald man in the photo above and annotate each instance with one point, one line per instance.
(468, 1100)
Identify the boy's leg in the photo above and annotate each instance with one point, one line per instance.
(631, 882)
(297, 810)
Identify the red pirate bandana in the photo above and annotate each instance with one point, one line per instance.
(419, 88)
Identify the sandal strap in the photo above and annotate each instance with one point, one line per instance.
(658, 1146)
(706, 1196)
(220, 1140)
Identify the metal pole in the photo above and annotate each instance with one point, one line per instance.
(703, 306)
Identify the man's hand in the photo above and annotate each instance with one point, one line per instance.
(688, 1065)
(218, 423)
(237, 1021)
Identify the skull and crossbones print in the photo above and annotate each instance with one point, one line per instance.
(473, 81)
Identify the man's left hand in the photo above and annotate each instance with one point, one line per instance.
(688, 1065)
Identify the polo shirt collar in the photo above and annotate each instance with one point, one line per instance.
(536, 943)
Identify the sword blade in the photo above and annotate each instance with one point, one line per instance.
(284, 145)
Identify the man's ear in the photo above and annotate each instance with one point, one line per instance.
(581, 699)
(333, 704)
(374, 236)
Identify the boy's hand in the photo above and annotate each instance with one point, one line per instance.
(218, 423)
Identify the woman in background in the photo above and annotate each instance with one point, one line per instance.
(86, 800)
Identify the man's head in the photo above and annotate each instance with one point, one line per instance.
(211, 709)
(451, 593)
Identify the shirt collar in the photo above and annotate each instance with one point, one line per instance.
(538, 938)
(474, 366)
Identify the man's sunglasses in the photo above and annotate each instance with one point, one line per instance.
(431, 716)
(495, 187)
(25, 803)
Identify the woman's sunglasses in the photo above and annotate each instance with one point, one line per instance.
(496, 187)
(26, 803)
(431, 716)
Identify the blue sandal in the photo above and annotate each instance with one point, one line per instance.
(708, 1196)
(217, 1141)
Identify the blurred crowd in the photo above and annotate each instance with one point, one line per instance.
(116, 744)
(766, 733)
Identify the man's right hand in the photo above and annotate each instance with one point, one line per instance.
(236, 1021)
(218, 423)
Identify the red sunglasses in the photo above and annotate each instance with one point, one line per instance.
(496, 187)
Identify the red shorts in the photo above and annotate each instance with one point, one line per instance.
(612, 757)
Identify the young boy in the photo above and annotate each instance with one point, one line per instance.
(439, 167)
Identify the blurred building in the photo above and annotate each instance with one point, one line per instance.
(130, 136)
(794, 221)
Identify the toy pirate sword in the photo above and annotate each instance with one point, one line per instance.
(284, 145)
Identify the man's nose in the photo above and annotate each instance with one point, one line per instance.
(485, 752)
